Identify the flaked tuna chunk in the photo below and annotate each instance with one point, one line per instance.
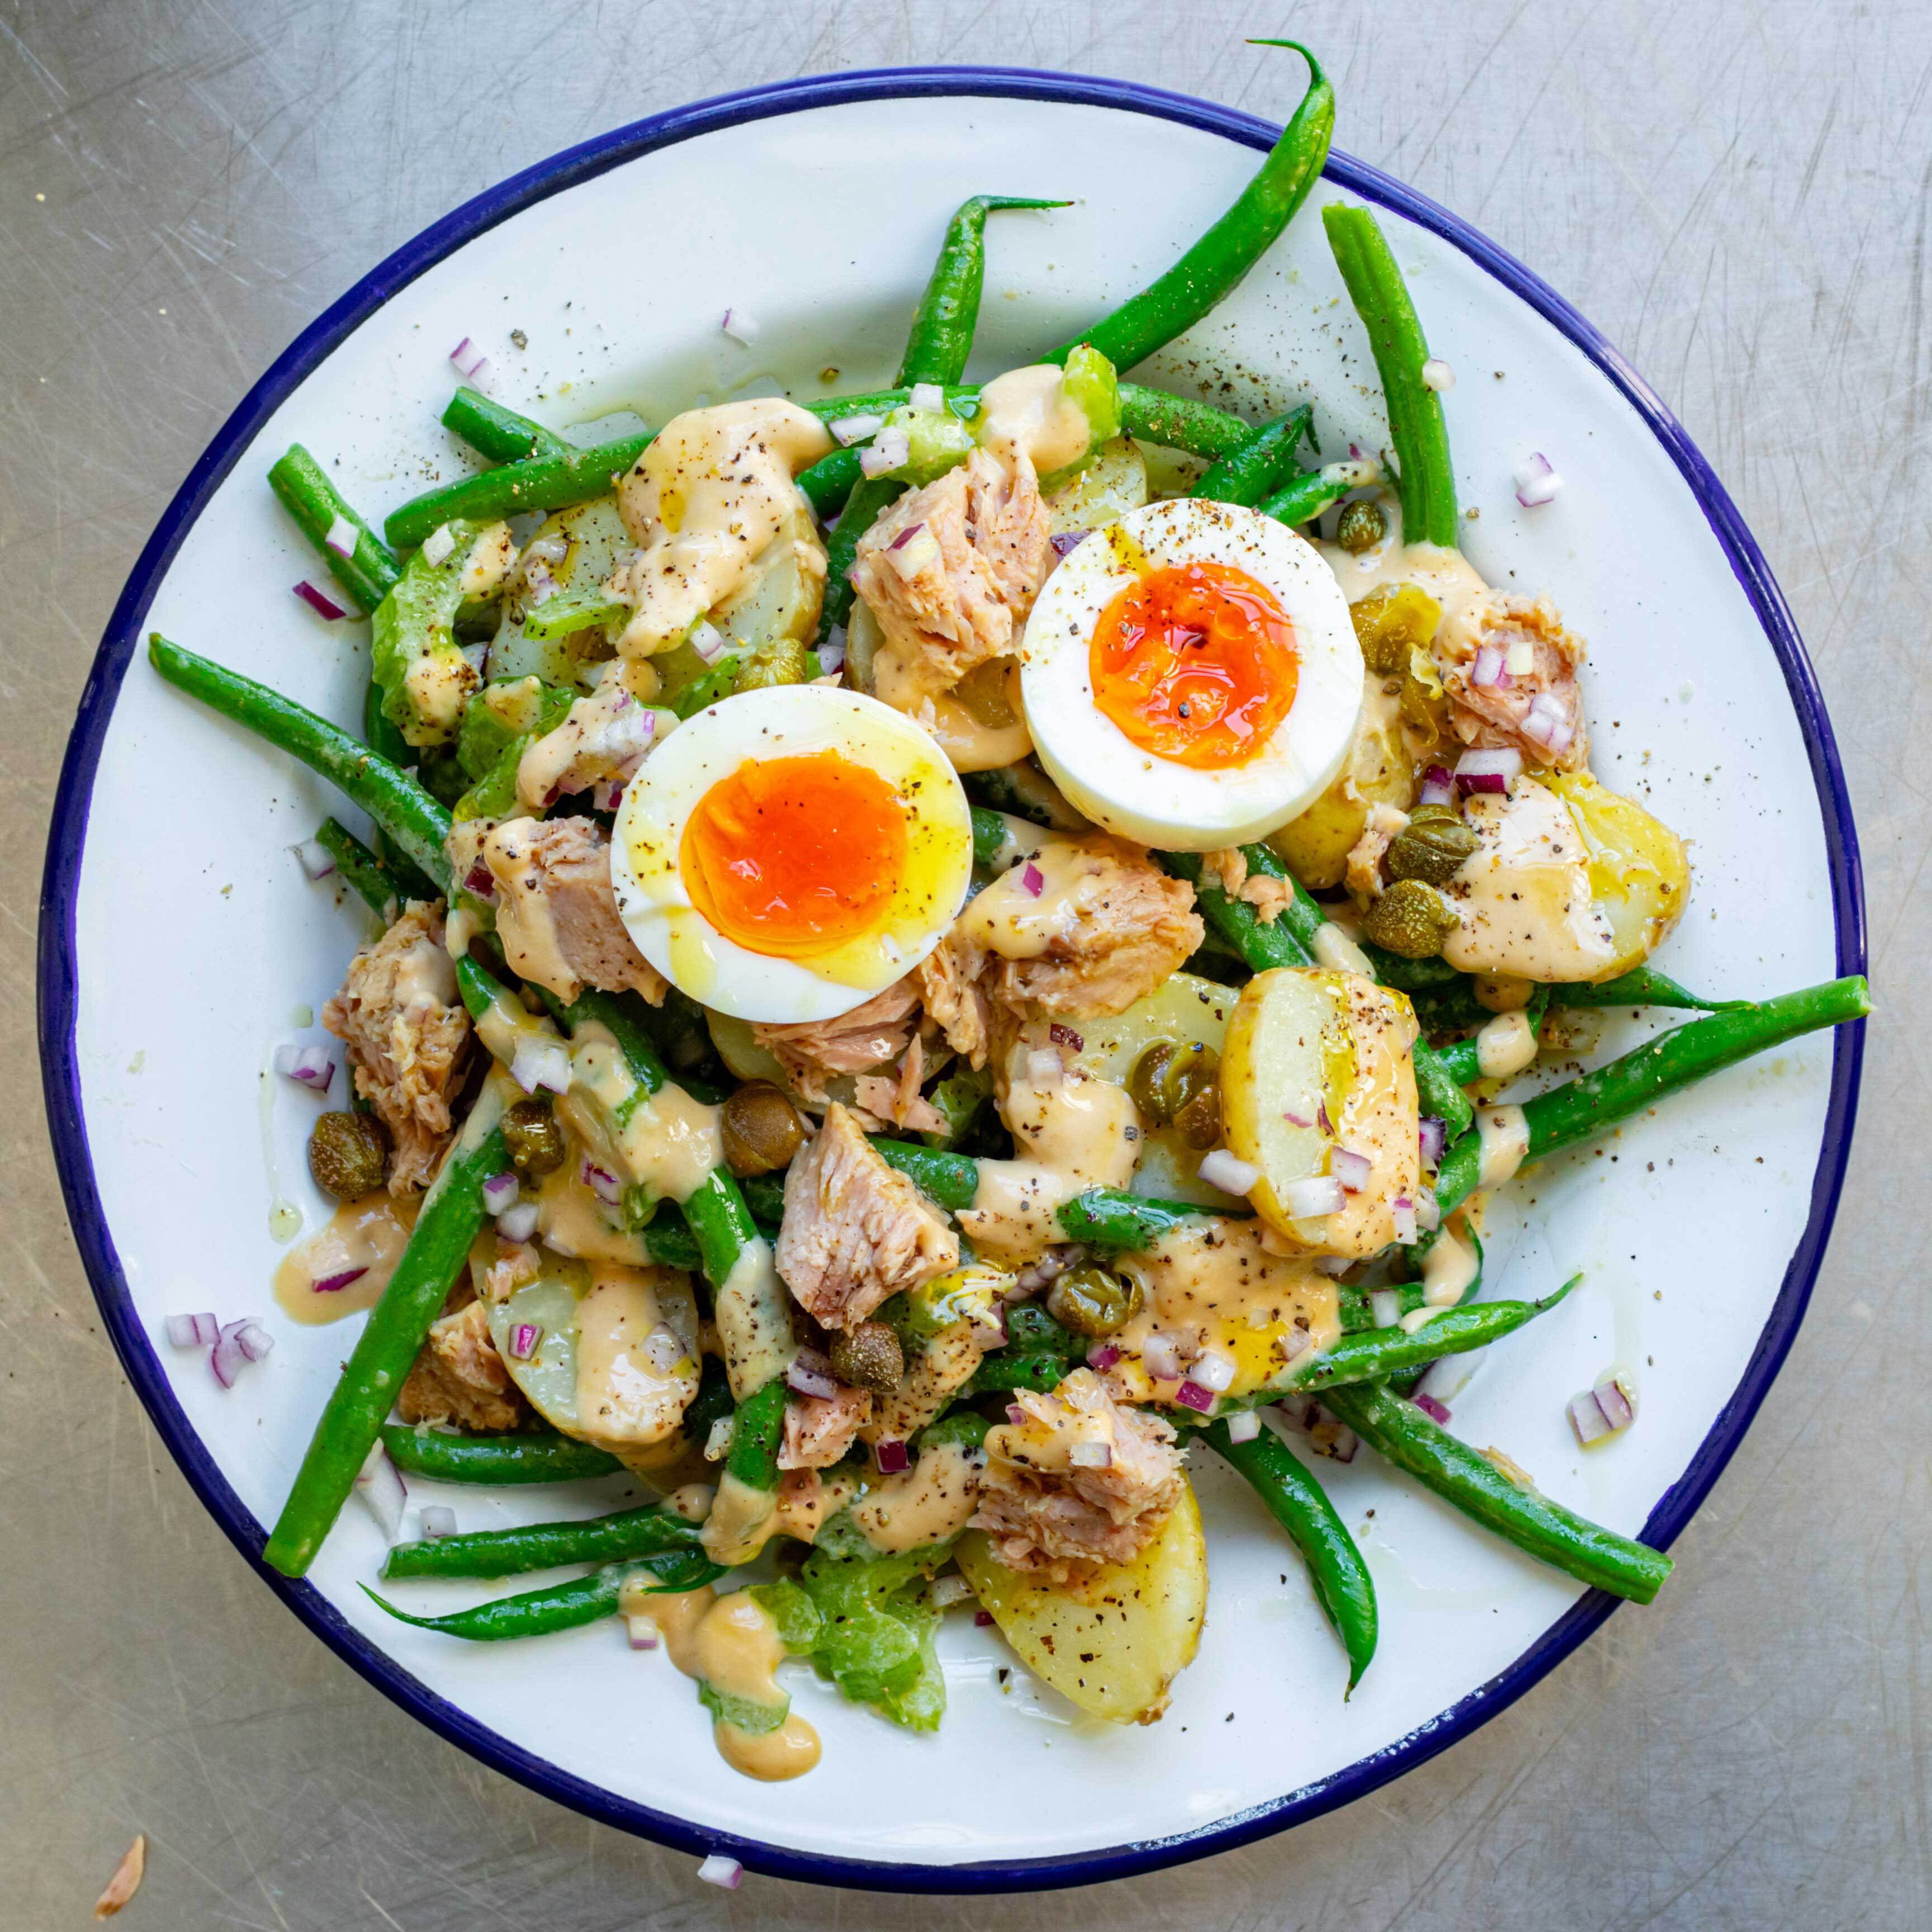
(459, 1377)
(819, 1429)
(1078, 1480)
(1532, 701)
(1228, 871)
(949, 990)
(812, 1051)
(855, 1231)
(556, 910)
(406, 1032)
(951, 571)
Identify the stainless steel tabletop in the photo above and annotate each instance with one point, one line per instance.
(1737, 192)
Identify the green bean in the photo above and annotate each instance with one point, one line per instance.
(1303, 499)
(1383, 1352)
(941, 336)
(438, 1245)
(1356, 1309)
(314, 501)
(949, 1179)
(532, 1458)
(1105, 1218)
(359, 867)
(757, 1428)
(872, 497)
(1427, 482)
(1257, 468)
(1174, 301)
(989, 836)
(1462, 1058)
(398, 805)
(1468, 1480)
(1291, 1495)
(1592, 1102)
(1641, 986)
(584, 1600)
(500, 434)
(628, 1534)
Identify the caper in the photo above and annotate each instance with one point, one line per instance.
(1424, 703)
(868, 1356)
(762, 1129)
(1412, 919)
(1432, 847)
(1391, 622)
(531, 1133)
(347, 1153)
(1198, 1121)
(1169, 1076)
(1360, 526)
(1093, 1301)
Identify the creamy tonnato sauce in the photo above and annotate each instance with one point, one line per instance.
(1447, 575)
(370, 1235)
(1028, 412)
(665, 1142)
(928, 1503)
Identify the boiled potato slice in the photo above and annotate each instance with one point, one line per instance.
(597, 536)
(1639, 874)
(778, 603)
(1315, 1060)
(1376, 771)
(1114, 483)
(1113, 1644)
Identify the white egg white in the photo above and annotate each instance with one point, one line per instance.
(1134, 792)
(784, 721)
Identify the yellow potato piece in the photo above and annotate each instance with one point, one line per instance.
(1113, 1644)
(1315, 845)
(1639, 872)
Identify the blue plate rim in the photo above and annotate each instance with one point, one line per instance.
(58, 985)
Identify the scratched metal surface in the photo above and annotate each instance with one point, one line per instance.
(1737, 191)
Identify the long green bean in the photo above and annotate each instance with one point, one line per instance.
(940, 338)
(367, 573)
(564, 1606)
(547, 1457)
(628, 1534)
(1258, 467)
(500, 434)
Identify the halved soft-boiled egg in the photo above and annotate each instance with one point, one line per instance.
(1191, 677)
(788, 852)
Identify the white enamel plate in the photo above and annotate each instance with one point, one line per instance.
(180, 944)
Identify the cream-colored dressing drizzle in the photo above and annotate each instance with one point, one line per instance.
(1333, 948)
(637, 1356)
(574, 750)
(370, 1234)
(1378, 1118)
(571, 1220)
(933, 1500)
(732, 1644)
(753, 1313)
(1447, 575)
(1447, 1270)
(526, 922)
(742, 1522)
(1506, 1044)
(666, 1143)
(1028, 412)
(707, 497)
(1502, 1136)
(1015, 921)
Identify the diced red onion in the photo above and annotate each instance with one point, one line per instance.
(254, 1341)
(641, 1632)
(440, 545)
(1065, 1036)
(1296, 1341)
(1437, 375)
(947, 1591)
(1243, 1427)
(810, 1374)
(341, 537)
(1436, 788)
(1436, 1411)
(1192, 1395)
(334, 1284)
(552, 549)
(663, 1351)
(1050, 1266)
(1044, 1066)
(1548, 725)
(1587, 1419)
(475, 656)
(435, 1520)
(1067, 542)
(380, 1488)
(890, 449)
(849, 430)
(708, 640)
(981, 1618)
(1322, 1120)
(1491, 771)
(481, 375)
(1294, 1408)
(892, 1458)
(1160, 1356)
(312, 1065)
(543, 587)
(1446, 1377)
(719, 1870)
(607, 794)
(1032, 880)
(1403, 1215)
(315, 858)
(526, 1338)
(1309, 1199)
(927, 396)
(1537, 481)
(1227, 1171)
(718, 1442)
(1487, 673)
(519, 1223)
(1090, 1456)
(1103, 1358)
(989, 1331)
(1385, 1307)
(500, 1192)
(1353, 1168)
(467, 357)
(1432, 1137)
(541, 1061)
(1214, 1371)
(627, 737)
(1333, 1265)
(320, 602)
(831, 653)
(602, 1182)
(740, 326)
(1296, 1119)
(227, 1360)
(193, 1331)
(479, 881)
(1616, 1399)
(1428, 1210)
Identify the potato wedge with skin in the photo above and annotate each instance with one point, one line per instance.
(1314, 1060)
(1376, 770)
(1113, 1644)
(1639, 872)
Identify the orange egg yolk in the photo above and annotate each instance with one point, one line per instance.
(1195, 662)
(791, 856)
